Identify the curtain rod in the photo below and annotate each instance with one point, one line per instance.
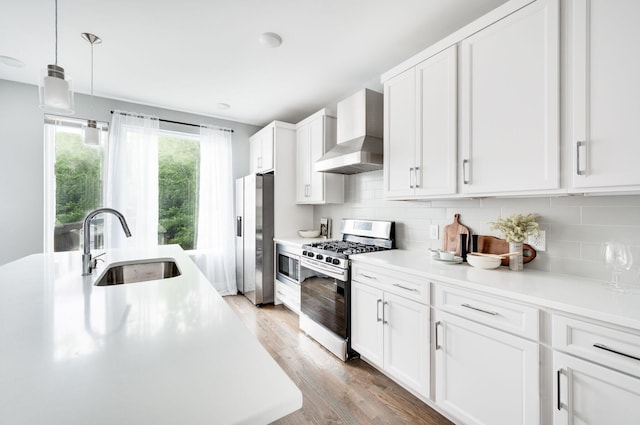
(178, 122)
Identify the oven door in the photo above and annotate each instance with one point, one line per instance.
(325, 299)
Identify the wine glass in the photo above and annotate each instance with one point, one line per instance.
(617, 256)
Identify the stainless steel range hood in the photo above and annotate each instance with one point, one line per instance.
(355, 156)
(359, 148)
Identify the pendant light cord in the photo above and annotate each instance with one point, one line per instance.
(56, 2)
(91, 79)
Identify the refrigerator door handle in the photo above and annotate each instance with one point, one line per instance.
(239, 226)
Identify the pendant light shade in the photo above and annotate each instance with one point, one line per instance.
(91, 133)
(56, 91)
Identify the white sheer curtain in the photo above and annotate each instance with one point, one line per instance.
(132, 178)
(215, 249)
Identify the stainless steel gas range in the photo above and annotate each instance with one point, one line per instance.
(325, 297)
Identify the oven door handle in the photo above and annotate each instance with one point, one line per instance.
(340, 274)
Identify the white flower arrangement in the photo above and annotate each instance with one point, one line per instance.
(516, 227)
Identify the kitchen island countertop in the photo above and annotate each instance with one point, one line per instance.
(158, 352)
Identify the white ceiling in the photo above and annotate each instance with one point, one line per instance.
(190, 55)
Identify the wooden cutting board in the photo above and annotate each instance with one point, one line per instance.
(451, 235)
(493, 245)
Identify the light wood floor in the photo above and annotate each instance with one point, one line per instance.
(333, 392)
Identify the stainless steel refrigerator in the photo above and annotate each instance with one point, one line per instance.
(254, 237)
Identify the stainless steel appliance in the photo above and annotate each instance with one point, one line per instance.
(287, 264)
(254, 237)
(359, 138)
(325, 299)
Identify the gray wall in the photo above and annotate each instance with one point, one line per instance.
(22, 159)
(575, 226)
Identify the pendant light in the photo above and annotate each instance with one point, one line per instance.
(91, 130)
(56, 92)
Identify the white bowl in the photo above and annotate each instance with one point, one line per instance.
(447, 255)
(310, 233)
(483, 262)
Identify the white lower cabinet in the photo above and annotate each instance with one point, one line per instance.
(288, 294)
(485, 376)
(487, 357)
(392, 333)
(602, 385)
(589, 394)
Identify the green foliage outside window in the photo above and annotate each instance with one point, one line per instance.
(178, 174)
(78, 172)
(78, 178)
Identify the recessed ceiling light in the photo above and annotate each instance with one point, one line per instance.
(8, 60)
(223, 106)
(270, 39)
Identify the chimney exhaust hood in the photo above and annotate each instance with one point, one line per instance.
(359, 139)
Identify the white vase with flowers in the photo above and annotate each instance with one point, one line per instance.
(516, 229)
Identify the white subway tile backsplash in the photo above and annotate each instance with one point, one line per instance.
(613, 215)
(568, 214)
(576, 226)
(456, 203)
(562, 249)
(596, 201)
(519, 205)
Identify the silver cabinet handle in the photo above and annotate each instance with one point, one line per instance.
(379, 319)
(579, 145)
(410, 178)
(384, 313)
(415, 173)
(438, 323)
(367, 276)
(614, 351)
(405, 288)
(493, 313)
(259, 162)
(465, 165)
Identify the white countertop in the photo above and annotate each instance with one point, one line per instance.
(159, 352)
(298, 241)
(572, 294)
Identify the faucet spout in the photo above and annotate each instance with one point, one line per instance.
(87, 265)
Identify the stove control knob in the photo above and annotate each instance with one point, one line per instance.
(328, 259)
(304, 252)
(336, 261)
(309, 254)
(319, 257)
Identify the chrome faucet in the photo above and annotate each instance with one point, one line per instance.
(87, 264)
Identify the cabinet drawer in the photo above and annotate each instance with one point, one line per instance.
(505, 315)
(288, 294)
(609, 347)
(403, 284)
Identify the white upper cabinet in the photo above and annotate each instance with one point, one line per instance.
(509, 104)
(604, 73)
(261, 147)
(399, 135)
(315, 136)
(420, 129)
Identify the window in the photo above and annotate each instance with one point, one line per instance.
(178, 176)
(75, 175)
(172, 187)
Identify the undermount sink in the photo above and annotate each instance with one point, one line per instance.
(138, 271)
